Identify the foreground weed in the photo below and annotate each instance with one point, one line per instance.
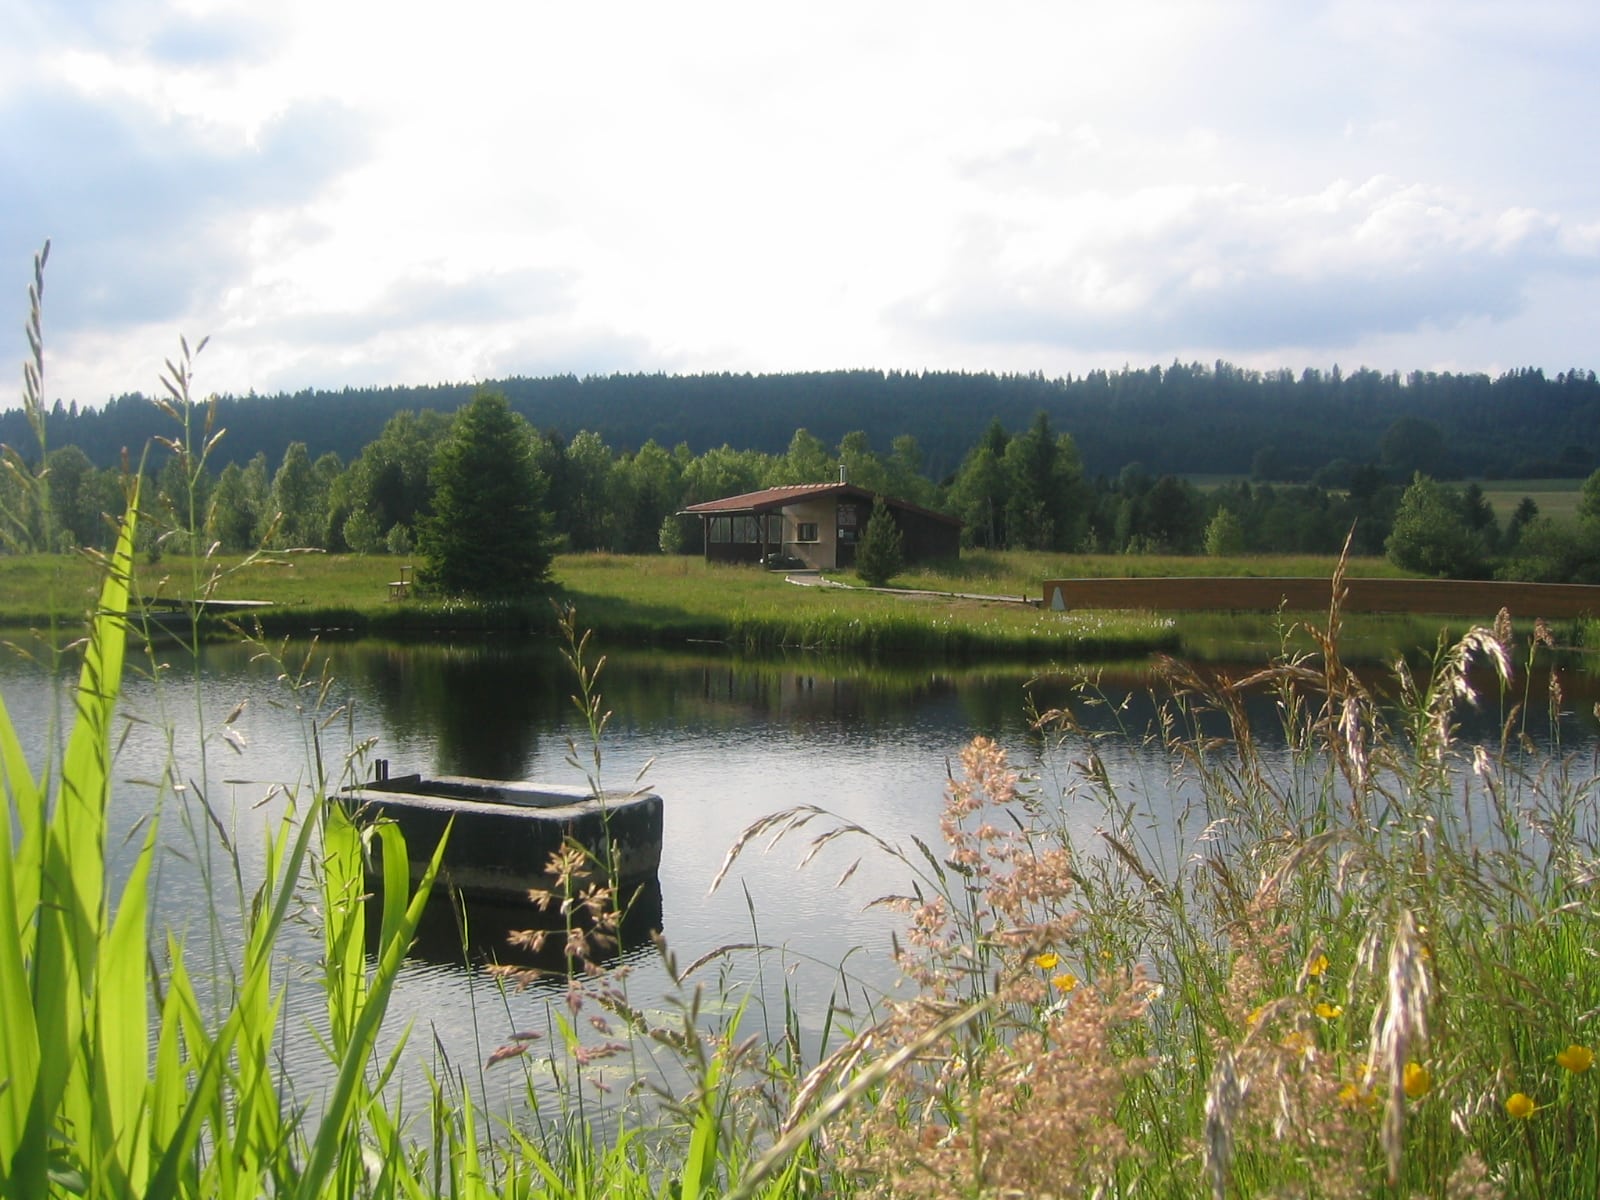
(115, 1080)
(1004, 1070)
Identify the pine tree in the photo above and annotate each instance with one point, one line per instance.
(881, 554)
(486, 536)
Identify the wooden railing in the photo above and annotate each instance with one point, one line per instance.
(1453, 597)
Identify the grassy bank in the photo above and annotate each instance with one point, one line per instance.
(651, 600)
(655, 600)
(1020, 572)
(663, 601)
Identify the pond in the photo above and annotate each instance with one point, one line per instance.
(724, 741)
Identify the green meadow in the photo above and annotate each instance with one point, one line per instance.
(1556, 498)
(651, 599)
(970, 608)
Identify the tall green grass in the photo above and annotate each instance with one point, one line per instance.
(114, 1083)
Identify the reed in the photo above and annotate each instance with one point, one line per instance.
(116, 1083)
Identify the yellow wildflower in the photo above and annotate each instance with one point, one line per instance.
(1329, 1011)
(1416, 1080)
(1317, 966)
(1046, 961)
(1352, 1096)
(1064, 983)
(1576, 1058)
(1521, 1106)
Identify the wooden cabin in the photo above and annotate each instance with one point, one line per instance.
(816, 524)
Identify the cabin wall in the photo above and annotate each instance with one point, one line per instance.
(832, 526)
(923, 539)
(819, 551)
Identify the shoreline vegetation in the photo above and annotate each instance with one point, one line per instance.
(971, 608)
(1358, 964)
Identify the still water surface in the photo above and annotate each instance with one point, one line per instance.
(724, 741)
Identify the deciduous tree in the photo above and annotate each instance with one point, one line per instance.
(806, 461)
(295, 500)
(1431, 534)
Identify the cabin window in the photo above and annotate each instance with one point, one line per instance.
(719, 529)
(746, 530)
(805, 531)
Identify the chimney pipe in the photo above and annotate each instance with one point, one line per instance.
(844, 473)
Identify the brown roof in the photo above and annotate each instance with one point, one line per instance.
(770, 498)
(780, 497)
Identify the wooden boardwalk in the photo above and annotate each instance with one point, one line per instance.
(1442, 597)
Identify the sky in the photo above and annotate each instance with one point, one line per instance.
(339, 193)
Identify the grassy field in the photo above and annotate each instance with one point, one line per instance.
(1557, 498)
(662, 601)
(645, 599)
(1020, 572)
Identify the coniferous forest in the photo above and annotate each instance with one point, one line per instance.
(1181, 420)
(1102, 463)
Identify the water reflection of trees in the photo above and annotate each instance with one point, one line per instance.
(805, 689)
(487, 705)
(484, 704)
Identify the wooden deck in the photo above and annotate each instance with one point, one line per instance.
(167, 605)
(1441, 597)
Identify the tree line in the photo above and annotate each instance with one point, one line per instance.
(446, 486)
(1183, 419)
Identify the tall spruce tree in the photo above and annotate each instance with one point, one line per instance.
(486, 536)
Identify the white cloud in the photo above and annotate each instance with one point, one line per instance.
(1244, 269)
(350, 192)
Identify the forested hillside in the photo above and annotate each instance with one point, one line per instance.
(1181, 420)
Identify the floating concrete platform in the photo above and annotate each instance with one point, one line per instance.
(504, 832)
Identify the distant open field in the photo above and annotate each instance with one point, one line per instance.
(1556, 498)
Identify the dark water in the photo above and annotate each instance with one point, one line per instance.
(724, 741)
